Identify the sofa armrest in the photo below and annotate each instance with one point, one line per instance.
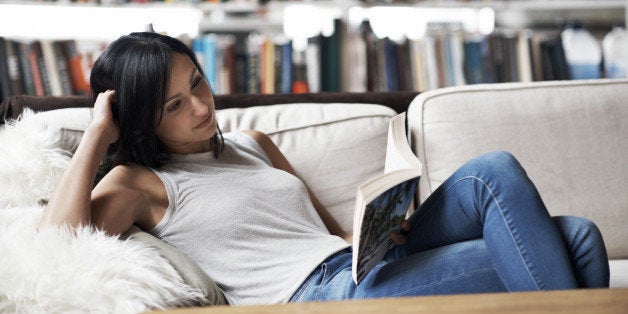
(570, 136)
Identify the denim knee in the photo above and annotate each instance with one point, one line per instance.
(585, 246)
(496, 164)
(579, 232)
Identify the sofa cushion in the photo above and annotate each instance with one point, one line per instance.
(332, 147)
(570, 137)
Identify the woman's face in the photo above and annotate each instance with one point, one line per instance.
(188, 120)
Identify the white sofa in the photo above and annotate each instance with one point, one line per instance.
(572, 137)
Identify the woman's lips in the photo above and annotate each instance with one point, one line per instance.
(205, 122)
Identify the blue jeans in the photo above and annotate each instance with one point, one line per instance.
(485, 229)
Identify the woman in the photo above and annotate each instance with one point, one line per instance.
(235, 206)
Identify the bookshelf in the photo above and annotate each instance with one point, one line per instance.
(456, 25)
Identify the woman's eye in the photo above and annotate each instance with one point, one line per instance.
(173, 107)
(197, 81)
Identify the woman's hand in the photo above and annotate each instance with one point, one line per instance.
(402, 236)
(102, 119)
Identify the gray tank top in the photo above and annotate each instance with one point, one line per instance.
(251, 227)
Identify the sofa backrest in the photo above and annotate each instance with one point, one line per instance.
(570, 136)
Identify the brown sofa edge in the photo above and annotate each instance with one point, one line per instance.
(12, 107)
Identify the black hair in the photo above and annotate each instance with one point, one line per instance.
(137, 67)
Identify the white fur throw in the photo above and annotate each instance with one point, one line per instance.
(31, 161)
(56, 270)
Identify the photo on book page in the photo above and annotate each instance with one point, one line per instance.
(382, 216)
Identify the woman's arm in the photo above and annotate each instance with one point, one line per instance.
(71, 201)
(280, 162)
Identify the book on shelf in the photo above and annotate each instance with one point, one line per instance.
(267, 67)
(62, 68)
(285, 65)
(9, 74)
(382, 203)
(353, 62)
(52, 71)
(313, 64)
(25, 68)
(330, 59)
(5, 89)
(40, 75)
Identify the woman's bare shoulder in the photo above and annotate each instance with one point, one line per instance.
(132, 180)
(131, 187)
(130, 177)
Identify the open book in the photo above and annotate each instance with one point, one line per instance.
(383, 202)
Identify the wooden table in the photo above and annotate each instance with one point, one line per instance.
(569, 301)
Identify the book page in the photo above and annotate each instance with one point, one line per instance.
(398, 153)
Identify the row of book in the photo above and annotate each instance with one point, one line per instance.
(43, 68)
(258, 63)
(354, 61)
(358, 61)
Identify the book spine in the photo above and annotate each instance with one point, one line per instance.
(38, 55)
(278, 53)
(286, 67)
(457, 56)
(313, 65)
(5, 87)
(405, 67)
(209, 61)
(62, 68)
(497, 57)
(25, 68)
(240, 64)
(473, 62)
(254, 44)
(16, 86)
(229, 63)
(391, 65)
(52, 72)
(267, 59)
(524, 61)
(330, 59)
(372, 78)
(380, 53)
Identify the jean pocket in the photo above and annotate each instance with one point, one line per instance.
(304, 292)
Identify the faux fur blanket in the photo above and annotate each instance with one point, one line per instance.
(57, 270)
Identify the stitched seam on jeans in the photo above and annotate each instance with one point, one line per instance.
(517, 243)
(406, 292)
(301, 291)
(320, 286)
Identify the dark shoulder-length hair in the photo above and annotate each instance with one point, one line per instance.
(137, 67)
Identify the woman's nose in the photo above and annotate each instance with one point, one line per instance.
(199, 107)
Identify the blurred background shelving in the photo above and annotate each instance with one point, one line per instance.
(362, 35)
